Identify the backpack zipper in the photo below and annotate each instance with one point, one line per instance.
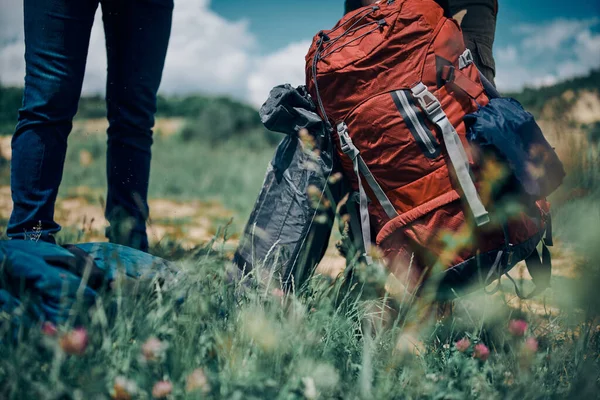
(413, 118)
(416, 126)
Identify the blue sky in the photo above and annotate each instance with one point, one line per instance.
(278, 22)
(242, 48)
(537, 41)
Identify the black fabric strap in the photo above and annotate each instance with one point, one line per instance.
(489, 88)
(548, 240)
(540, 270)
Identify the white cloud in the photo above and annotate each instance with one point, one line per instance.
(553, 35)
(547, 53)
(284, 66)
(207, 53)
(11, 42)
(506, 54)
(11, 20)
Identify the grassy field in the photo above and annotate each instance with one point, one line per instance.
(229, 172)
(247, 340)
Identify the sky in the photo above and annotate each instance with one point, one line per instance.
(243, 48)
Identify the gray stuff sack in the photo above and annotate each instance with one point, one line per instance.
(287, 233)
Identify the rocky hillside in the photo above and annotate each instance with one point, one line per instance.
(576, 101)
(568, 113)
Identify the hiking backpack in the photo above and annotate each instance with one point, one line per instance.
(420, 139)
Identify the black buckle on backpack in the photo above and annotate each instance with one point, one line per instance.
(324, 36)
(447, 73)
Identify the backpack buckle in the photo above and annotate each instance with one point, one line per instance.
(427, 100)
(346, 142)
(465, 59)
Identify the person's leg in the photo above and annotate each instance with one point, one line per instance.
(56, 43)
(137, 36)
(477, 19)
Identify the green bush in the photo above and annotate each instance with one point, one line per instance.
(91, 107)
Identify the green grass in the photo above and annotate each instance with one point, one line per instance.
(254, 344)
(230, 173)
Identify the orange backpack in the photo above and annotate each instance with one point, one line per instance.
(397, 81)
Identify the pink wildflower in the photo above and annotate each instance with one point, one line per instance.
(49, 329)
(153, 349)
(481, 352)
(75, 342)
(517, 327)
(162, 389)
(197, 380)
(123, 389)
(531, 345)
(463, 345)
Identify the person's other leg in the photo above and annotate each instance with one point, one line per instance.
(57, 36)
(137, 36)
(477, 19)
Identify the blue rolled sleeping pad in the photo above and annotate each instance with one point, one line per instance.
(136, 264)
(47, 278)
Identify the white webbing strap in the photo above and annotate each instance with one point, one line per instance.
(360, 167)
(456, 151)
(385, 202)
(355, 228)
(494, 273)
(351, 151)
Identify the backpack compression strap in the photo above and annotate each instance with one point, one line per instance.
(360, 167)
(456, 151)
(540, 270)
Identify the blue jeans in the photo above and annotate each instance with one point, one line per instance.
(57, 34)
